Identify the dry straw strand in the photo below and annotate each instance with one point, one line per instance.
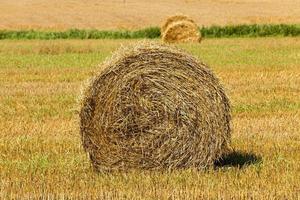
(153, 107)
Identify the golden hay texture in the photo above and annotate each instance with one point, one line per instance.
(181, 31)
(154, 107)
(174, 18)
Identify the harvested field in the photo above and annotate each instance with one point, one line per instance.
(134, 14)
(40, 145)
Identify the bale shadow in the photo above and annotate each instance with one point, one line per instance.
(238, 159)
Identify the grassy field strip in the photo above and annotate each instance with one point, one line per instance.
(254, 30)
(40, 146)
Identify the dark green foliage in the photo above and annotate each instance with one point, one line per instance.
(254, 30)
(154, 32)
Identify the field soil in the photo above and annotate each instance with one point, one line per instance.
(133, 14)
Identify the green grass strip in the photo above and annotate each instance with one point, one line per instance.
(154, 32)
(254, 30)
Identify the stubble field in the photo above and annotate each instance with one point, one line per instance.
(136, 14)
(41, 153)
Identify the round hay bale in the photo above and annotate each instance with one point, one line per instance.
(154, 107)
(182, 31)
(173, 19)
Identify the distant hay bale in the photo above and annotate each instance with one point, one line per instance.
(154, 107)
(174, 18)
(180, 28)
(181, 31)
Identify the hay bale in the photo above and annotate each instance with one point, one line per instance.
(154, 107)
(173, 19)
(181, 31)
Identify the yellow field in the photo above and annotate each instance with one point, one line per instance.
(41, 153)
(132, 14)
